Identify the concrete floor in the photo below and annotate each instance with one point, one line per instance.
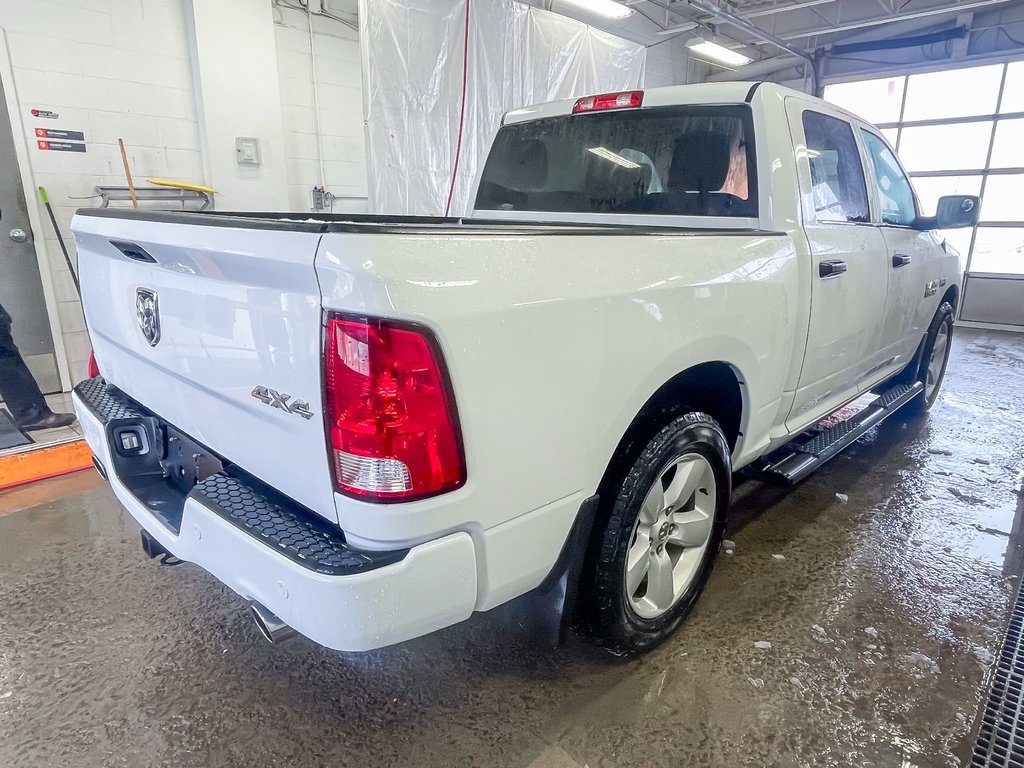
(884, 618)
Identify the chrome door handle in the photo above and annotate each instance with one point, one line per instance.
(18, 235)
(833, 268)
(900, 260)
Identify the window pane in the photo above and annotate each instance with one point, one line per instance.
(837, 178)
(945, 147)
(1003, 196)
(894, 193)
(891, 135)
(1013, 92)
(688, 161)
(953, 93)
(877, 101)
(931, 188)
(998, 250)
(1008, 149)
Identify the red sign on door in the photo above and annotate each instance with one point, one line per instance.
(60, 146)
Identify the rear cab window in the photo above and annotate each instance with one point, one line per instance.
(838, 190)
(678, 161)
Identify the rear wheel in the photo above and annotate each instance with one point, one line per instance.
(659, 540)
(935, 356)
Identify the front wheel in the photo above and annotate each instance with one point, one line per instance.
(935, 356)
(660, 539)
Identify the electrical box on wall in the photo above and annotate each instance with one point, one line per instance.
(247, 150)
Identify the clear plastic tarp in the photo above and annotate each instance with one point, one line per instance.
(413, 53)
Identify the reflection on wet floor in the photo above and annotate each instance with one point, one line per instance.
(883, 617)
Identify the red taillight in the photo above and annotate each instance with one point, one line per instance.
(623, 100)
(94, 370)
(390, 412)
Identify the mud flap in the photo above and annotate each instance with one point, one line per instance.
(547, 612)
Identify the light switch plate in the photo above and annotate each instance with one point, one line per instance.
(247, 150)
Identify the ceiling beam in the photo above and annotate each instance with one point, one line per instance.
(878, 21)
(783, 8)
(685, 27)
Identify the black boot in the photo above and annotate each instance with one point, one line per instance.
(48, 420)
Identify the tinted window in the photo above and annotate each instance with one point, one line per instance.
(894, 191)
(685, 161)
(837, 177)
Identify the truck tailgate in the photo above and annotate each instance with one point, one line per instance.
(238, 308)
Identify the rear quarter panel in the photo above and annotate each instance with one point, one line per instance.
(555, 342)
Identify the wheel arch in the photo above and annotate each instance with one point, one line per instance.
(715, 387)
(951, 295)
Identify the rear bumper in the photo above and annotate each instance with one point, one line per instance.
(271, 551)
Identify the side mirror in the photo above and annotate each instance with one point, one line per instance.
(957, 211)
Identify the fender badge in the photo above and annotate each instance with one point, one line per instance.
(275, 399)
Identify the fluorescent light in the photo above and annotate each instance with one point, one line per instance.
(608, 8)
(614, 157)
(716, 53)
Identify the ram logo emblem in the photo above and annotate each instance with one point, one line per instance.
(147, 314)
(276, 399)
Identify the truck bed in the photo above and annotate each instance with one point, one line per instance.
(366, 223)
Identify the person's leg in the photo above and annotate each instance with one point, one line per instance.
(18, 388)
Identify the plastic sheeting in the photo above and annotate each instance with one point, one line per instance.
(413, 74)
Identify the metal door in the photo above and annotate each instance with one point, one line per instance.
(849, 275)
(21, 290)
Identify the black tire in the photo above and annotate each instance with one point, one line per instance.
(943, 321)
(610, 617)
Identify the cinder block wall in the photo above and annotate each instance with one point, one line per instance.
(122, 68)
(109, 68)
(340, 93)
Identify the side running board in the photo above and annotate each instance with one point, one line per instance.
(796, 460)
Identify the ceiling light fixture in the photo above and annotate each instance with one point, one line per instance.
(610, 9)
(717, 54)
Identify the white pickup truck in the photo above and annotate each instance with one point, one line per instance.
(370, 427)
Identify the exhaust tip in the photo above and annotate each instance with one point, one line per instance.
(272, 628)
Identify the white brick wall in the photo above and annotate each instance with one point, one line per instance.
(339, 91)
(110, 68)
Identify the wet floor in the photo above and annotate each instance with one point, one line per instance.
(884, 614)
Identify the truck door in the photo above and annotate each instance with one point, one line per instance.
(911, 256)
(848, 273)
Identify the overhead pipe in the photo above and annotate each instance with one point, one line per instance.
(735, 21)
(813, 62)
(752, 15)
(954, 33)
(757, 69)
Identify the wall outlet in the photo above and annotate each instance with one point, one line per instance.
(247, 150)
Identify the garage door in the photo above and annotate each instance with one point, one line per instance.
(961, 131)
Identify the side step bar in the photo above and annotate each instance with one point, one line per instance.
(796, 460)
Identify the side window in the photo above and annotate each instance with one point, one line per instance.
(837, 177)
(894, 191)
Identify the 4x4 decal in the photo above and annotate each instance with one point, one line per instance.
(275, 399)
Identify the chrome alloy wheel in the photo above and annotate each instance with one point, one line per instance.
(937, 361)
(670, 535)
